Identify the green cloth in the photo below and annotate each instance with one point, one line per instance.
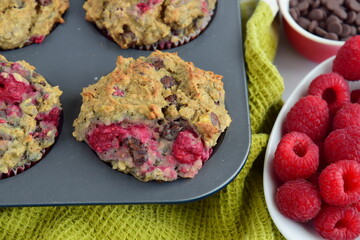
(236, 212)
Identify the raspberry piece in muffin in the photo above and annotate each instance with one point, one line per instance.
(156, 117)
(29, 113)
(24, 22)
(150, 24)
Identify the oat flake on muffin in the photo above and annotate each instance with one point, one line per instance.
(23, 22)
(155, 117)
(152, 24)
(29, 115)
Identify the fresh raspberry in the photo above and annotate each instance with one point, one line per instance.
(298, 200)
(309, 115)
(355, 96)
(349, 115)
(296, 156)
(347, 60)
(333, 88)
(337, 223)
(343, 144)
(339, 183)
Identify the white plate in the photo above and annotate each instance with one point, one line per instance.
(289, 228)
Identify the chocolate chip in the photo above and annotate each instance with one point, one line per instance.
(351, 17)
(353, 5)
(303, 6)
(214, 119)
(294, 14)
(317, 14)
(321, 32)
(327, 17)
(346, 31)
(171, 98)
(341, 13)
(171, 130)
(332, 5)
(44, 2)
(335, 27)
(332, 18)
(168, 81)
(312, 26)
(157, 64)
(331, 36)
(137, 150)
(303, 22)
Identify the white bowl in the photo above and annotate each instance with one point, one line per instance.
(289, 228)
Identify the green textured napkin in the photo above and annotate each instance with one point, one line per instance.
(236, 212)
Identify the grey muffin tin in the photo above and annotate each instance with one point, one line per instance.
(76, 55)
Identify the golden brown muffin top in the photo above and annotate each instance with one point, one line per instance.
(145, 22)
(160, 86)
(23, 22)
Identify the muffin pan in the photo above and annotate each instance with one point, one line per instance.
(76, 55)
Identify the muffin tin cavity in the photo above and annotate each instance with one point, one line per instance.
(75, 56)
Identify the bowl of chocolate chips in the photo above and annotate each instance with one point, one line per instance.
(318, 28)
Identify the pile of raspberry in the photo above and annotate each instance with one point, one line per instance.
(317, 159)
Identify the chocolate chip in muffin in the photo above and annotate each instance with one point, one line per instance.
(214, 119)
(172, 99)
(157, 64)
(168, 81)
(171, 130)
(137, 151)
(44, 2)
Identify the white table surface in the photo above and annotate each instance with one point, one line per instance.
(291, 65)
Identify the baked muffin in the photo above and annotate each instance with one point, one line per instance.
(29, 115)
(150, 24)
(156, 117)
(23, 22)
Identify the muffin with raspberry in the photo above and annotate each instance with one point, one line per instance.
(150, 24)
(155, 117)
(23, 22)
(29, 116)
